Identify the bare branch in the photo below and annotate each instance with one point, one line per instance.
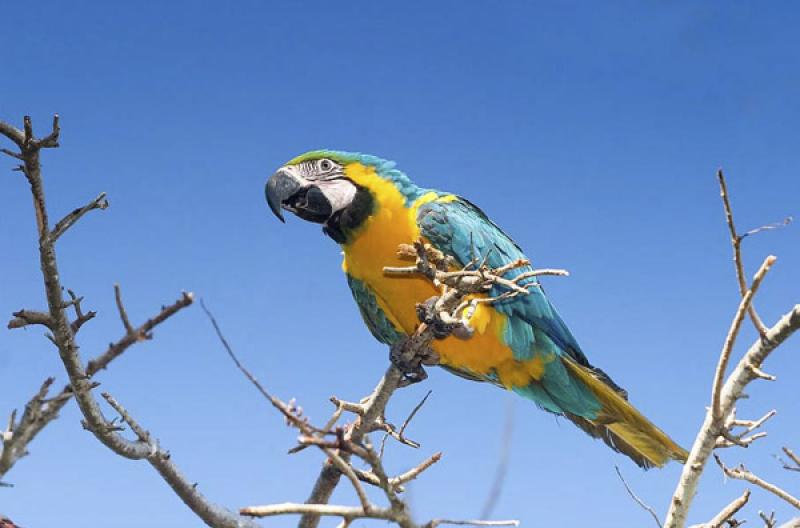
(414, 472)
(437, 522)
(64, 338)
(724, 397)
(793, 457)
(12, 133)
(729, 511)
(636, 498)
(23, 318)
(729, 439)
(68, 221)
(399, 435)
(741, 473)
(727, 347)
(141, 333)
(17, 435)
(123, 315)
(736, 242)
(769, 520)
(15, 155)
(706, 439)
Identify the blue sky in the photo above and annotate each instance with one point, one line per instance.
(590, 132)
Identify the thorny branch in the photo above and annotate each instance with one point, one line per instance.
(716, 431)
(64, 337)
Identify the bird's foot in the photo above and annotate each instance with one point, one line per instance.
(410, 362)
(442, 324)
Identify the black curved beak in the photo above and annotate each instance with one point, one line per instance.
(287, 191)
(280, 187)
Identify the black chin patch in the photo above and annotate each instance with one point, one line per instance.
(343, 222)
(310, 204)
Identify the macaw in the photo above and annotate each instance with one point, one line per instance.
(369, 208)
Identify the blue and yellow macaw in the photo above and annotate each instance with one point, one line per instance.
(369, 207)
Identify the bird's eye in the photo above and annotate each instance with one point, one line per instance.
(325, 165)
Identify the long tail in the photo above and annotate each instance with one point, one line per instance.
(620, 425)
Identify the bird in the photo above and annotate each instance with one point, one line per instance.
(370, 207)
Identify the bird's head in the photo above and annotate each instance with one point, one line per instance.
(336, 189)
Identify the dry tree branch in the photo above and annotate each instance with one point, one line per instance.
(769, 520)
(64, 337)
(741, 473)
(716, 429)
(46, 410)
(339, 452)
(793, 457)
(725, 516)
(449, 307)
(342, 444)
(638, 500)
(730, 340)
(736, 242)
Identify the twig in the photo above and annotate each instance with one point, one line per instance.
(769, 520)
(64, 338)
(436, 522)
(724, 397)
(142, 333)
(736, 242)
(733, 332)
(729, 511)
(17, 435)
(399, 435)
(414, 472)
(741, 473)
(23, 318)
(636, 498)
(345, 512)
(729, 439)
(793, 457)
(123, 314)
(68, 221)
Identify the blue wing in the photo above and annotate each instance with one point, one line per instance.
(461, 229)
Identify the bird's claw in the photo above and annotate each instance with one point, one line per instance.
(441, 329)
(427, 313)
(410, 364)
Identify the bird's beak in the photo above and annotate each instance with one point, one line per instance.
(287, 190)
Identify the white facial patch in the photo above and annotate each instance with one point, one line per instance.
(340, 193)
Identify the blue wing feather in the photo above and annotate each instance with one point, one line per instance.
(461, 229)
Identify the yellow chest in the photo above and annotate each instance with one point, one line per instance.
(375, 246)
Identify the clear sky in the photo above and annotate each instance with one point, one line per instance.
(589, 131)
